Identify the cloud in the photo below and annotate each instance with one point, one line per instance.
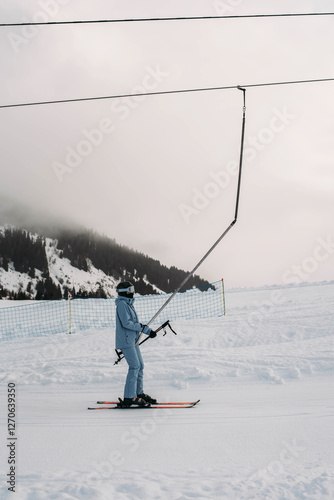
(130, 181)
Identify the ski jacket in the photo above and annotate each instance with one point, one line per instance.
(128, 327)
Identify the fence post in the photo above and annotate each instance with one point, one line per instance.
(223, 296)
(69, 313)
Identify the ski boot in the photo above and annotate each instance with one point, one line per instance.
(138, 402)
(147, 398)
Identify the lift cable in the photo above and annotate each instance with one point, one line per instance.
(164, 92)
(154, 19)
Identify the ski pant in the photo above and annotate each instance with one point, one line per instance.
(134, 379)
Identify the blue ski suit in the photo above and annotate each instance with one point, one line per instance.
(128, 329)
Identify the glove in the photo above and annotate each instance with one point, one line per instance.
(152, 334)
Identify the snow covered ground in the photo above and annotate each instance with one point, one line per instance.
(263, 429)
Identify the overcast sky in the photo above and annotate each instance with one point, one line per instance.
(159, 173)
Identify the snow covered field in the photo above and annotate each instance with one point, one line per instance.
(263, 429)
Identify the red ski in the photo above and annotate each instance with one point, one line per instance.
(152, 407)
(163, 404)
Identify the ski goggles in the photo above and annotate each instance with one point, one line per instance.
(130, 289)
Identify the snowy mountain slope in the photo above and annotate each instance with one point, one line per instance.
(64, 274)
(14, 281)
(83, 263)
(262, 431)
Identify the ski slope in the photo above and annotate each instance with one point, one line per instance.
(263, 429)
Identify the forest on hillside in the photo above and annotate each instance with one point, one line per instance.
(25, 253)
(122, 262)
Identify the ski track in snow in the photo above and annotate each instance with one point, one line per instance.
(263, 429)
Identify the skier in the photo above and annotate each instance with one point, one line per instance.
(128, 329)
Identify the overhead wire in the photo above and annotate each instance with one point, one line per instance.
(177, 91)
(176, 18)
(164, 92)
